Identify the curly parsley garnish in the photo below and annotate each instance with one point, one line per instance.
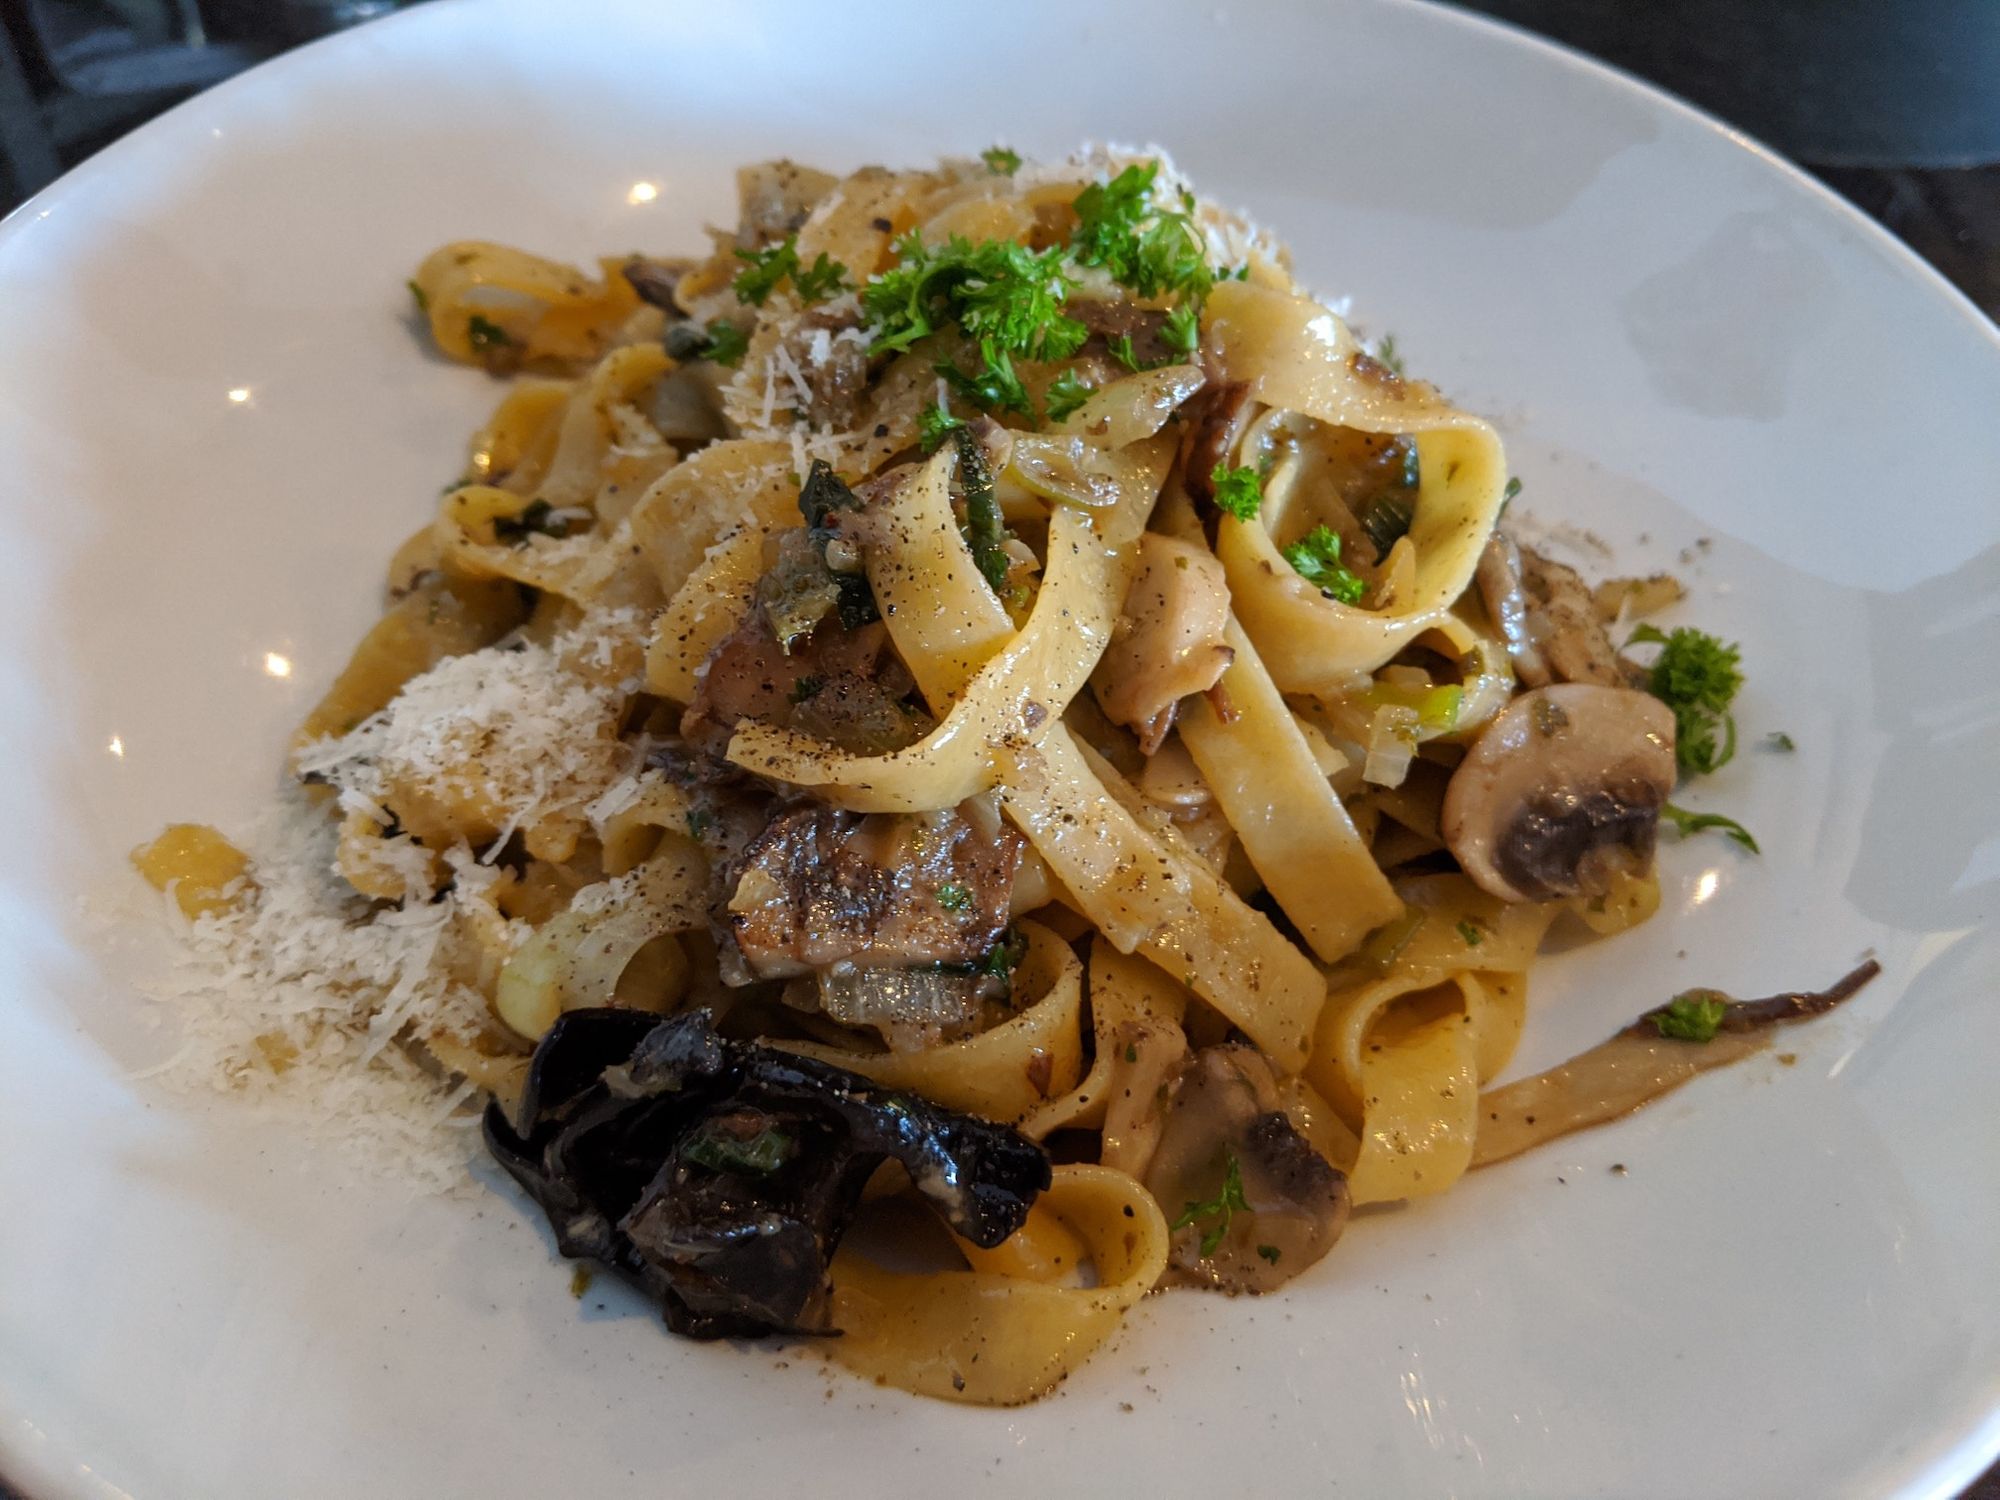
(1065, 394)
(1315, 557)
(954, 897)
(1691, 1016)
(935, 423)
(764, 269)
(1221, 1208)
(1237, 491)
(1697, 676)
(1001, 161)
(1686, 823)
(1150, 249)
(722, 341)
(1386, 356)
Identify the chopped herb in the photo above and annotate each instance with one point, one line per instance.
(1691, 1016)
(1000, 960)
(1131, 1052)
(1182, 330)
(1779, 740)
(537, 518)
(757, 1155)
(722, 342)
(1697, 676)
(1686, 823)
(1270, 1253)
(1221, 1207)
(1065, 394)
(1122, 351)
(1001, 161)
(1507, 495)
(934, 423)
(421, 298)
(764, 269)
(699, 823)
(1237, 491)
(579, 1281)
(1315, 557)
(1241, 273)
(820, 280)
(1469, 931)
(996, 386)
(806, 687)
(1145, 247)
(985, 531)
(820, 496)
(1385, 354)
(485, 336)
(954, 897)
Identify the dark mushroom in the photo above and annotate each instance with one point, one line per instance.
(1562, 790)
(1213, 436)
(721, 1175)
(1549, 618)
(1256, 1204)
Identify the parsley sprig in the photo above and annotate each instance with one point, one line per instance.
(1152, 250)
(1691, 1016)
(1221, 1208)
(1315, 557)
(1237, 491)
(764, 269)
(1697, 676)
(1001, 161)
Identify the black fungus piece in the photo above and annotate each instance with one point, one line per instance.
(721, 1175)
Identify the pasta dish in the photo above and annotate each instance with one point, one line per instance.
(977, 706)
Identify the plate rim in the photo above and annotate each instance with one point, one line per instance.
(1958, 1453)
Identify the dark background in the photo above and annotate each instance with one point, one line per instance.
(1893, 103)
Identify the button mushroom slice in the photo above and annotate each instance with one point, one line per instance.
(1254, 1204)
(1168, 641)
(1562, 790)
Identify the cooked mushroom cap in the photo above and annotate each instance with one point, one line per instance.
(1256, 1204)
(1562, 790)
(1168, 642)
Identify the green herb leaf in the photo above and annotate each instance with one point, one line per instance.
(820, 495)
(1065, 394)
(985, 530)
(1385, 354)
(1001, 161)
(1686, 823)
(954, 897)
(699, 822)
(1237, 491)
(1315, 557)
(719, 1150)
(934, 424)
(1001, 959)
(1507, 495)
(1470, 932)
(485, 336)
(1779, 740)
(1270, 1253)
(1691, 1016)
(1182, 330)
(1221, 1207)
(1145, 247)
(537, 518)
(820, 280)
(764, 269)
(806, 687)
(1131, 1052)
(1697, 676)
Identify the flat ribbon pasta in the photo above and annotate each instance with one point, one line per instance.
(1297, 356)
(992, 1338)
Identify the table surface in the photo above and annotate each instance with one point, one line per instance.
(1952, 218)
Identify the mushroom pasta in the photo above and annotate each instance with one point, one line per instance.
(976, 703)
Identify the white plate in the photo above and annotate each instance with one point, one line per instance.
(1790, 1290)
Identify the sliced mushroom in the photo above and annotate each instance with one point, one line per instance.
(1549, 618)
(1562, 790)
(1212, 437)
(1168, 641)
(1254, 1204)
(1499, 580)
